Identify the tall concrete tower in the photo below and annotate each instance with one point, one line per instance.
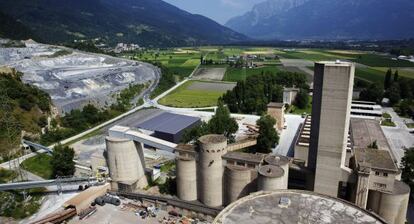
(332, 98)
(210, 169)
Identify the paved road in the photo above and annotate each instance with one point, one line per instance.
(399, 137)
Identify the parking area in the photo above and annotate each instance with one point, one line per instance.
(399, 137)
(211, 86)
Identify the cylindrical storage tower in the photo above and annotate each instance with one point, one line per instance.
(282, 162)
(210, 169)
(391, 207)
(237, 181)
(186, 178)
(271, 178)
(125, 165)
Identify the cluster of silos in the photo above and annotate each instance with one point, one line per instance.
(210, 169)
(274, 175)
(186, 178)
(126, 163)
(391, 206)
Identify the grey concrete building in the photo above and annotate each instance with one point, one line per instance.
(332, 97)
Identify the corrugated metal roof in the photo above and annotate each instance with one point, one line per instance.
(168, 123)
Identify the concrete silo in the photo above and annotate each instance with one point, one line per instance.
(186, 178)
(282, 162)
(126, 167)
(238, 181)
(210, 169)
(271, 178)
(391, 206)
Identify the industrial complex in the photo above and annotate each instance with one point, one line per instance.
(334, 158)
(342, 169)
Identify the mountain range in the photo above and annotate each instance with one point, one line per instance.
(327, 19)
(146, 22)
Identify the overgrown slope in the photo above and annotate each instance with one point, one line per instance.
(146, 22)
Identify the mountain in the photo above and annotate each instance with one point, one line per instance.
(10, 28)
(146, 22)
(327, 19)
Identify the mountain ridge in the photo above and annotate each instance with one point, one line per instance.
(146, 22)
(327, 19)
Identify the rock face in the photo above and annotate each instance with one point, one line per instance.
(327, 19)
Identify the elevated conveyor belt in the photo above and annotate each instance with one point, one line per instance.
(45, 183)
(128, 133)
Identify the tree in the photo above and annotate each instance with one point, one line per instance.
(407, 167)
(253, 94)
(405, 89)
(387, 80)
(373, 145)
(194, 133)
(268, 137)
(62, 161)
(394, 93)
(222, 123)
(396, 76)
(302, 99)
(372, 93)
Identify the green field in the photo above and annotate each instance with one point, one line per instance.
(181, 61)
(183, 96)
(238, 74)
(39, 165)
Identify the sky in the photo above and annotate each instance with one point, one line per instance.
(218, 10)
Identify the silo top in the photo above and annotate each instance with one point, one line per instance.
(114, 139)
(271, 171)
(237, 168)
(212, 139)
(184, 158)
(276, 160)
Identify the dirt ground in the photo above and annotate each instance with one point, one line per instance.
(211, 86)
(210, 73)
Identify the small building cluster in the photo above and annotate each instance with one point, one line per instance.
(121, 47)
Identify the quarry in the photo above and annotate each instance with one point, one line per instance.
(73, 78)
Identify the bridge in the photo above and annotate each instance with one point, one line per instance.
(37, 146)
(47, 183)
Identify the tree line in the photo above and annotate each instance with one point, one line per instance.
(253, 94)
(399, 90)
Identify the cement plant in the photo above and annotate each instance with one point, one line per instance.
(208, 112)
